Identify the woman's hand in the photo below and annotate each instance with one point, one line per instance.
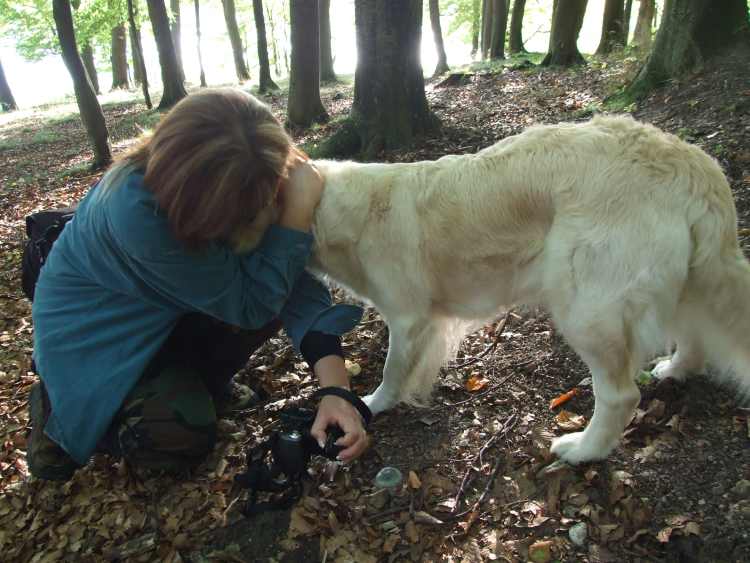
(299, 193)
(335, 410)
(331, 372)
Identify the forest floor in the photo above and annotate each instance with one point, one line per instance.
(478, 483)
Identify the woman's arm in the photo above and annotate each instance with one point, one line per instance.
(331, 371)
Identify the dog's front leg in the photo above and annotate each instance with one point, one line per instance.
(417, 348)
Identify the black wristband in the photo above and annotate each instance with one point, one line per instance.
(316, 345)
(347, 395)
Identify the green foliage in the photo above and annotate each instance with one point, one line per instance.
(461, 14)
(29, 23)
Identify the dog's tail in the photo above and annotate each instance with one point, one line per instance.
(717, 292)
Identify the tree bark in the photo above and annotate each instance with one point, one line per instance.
(691, 32)
(390, 107)
(486, 27)
(230, 17)
(567, 19)
(516, 28)
(437, 35)
(327, 73)
(175, 29)
(612, 27)
(476, 22)
(87, 57)
(642, 36)
(138, 60)
(137, 78)
(265, 82)
(7, 101)
(274, 46)
(88, 105)
(304, 107)
(499, 25)
(174, 89)
(198, 41)
(626, 21)
(120, 58)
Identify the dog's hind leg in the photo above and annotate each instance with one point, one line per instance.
(417, 348)
(689, 355)
(604, 341)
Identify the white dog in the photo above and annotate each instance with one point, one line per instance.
(626, 234)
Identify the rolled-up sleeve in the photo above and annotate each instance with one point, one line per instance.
(310, 308)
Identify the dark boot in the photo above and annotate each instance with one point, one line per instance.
(46, 460)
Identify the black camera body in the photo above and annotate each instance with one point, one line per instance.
(293, 445)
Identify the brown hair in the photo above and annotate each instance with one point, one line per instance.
(213, 163)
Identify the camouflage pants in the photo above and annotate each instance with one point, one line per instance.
(168, 420)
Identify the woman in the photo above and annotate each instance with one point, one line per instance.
(142, 312)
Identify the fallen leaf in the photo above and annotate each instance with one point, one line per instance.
(414, 481)
(476, 382)
(541, 551)
(570, 421)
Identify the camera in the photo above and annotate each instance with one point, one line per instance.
(294, 445)
(278, 465)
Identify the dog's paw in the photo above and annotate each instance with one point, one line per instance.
(378, 402)
(667, 369)
(575, 448)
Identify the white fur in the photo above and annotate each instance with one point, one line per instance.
(627, 235)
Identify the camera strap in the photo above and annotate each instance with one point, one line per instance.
(348, 396)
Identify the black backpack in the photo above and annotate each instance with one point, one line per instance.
(42, 230)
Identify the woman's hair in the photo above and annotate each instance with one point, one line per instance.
(213, 163)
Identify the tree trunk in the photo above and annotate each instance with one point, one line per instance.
(175, 30)
(626, 21)
(7, 101)
(174, 89)
(132, 31)
(437, 34)
(265, 83)
(138, 60)
(326, 56)
(516, 28)
(390, 107)
(567, 19)
(486, 27)
(230, 16)
(691, 32)
(274, 46)
(642, 36)
(476, 22)
(88, 105)
(87, 57)
(198, 41)
(612, 27)
(304, 107)
(499, 25)
(119, 58)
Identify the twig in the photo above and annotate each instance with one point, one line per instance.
(498, 332)
(477, 458)
(387, 512)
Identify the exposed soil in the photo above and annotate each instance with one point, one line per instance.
(474, 461)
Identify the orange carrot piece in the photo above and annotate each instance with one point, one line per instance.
(564, 398)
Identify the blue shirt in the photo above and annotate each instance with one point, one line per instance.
(117, 281)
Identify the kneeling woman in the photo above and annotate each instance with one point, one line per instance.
(143, 313)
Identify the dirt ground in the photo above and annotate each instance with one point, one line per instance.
(479, 482)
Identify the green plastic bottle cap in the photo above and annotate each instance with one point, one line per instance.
(388, 478)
